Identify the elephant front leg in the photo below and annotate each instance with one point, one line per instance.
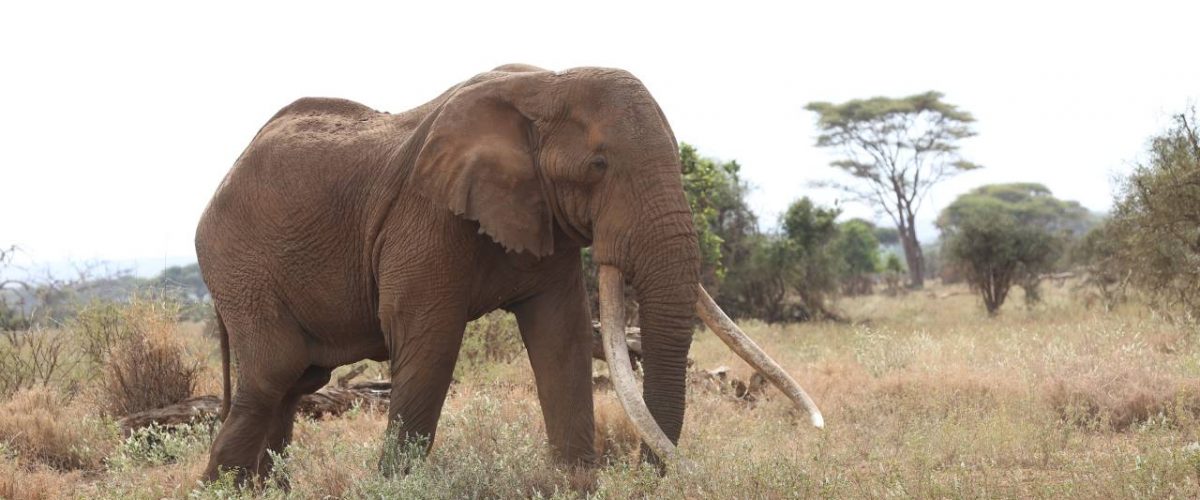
(423, 352)
(557, 331)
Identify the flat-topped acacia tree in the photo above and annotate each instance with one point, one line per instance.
(897, 149)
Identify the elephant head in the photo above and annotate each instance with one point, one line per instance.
(546, 160)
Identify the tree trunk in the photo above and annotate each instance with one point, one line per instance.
(912, 252)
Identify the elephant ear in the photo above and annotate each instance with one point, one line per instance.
(478, 160)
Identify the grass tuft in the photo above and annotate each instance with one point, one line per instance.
(40, 427)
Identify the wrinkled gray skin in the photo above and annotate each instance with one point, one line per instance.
(343, 234)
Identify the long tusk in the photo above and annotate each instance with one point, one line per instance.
(728, 331)
(616, 353)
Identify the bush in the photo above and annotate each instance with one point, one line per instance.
(858, 250)
(144, 364)
(1105, 277)
(1122, 400)
(893, 273)
(36, 357)
(1155, 222)
(790, 276)
(993, 251)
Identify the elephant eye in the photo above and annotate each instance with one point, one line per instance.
(599, 163)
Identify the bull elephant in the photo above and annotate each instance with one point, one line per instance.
(343, 234)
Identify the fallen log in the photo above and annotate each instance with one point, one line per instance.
(201, 408)
(334, 400)
(331, 400)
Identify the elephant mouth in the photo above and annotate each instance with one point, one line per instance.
(616, 354)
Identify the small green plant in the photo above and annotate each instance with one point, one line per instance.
(156, 445)
(400, 456)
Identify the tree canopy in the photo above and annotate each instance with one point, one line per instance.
(716, 194)
(1030, 203)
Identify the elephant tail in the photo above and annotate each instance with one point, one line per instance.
(225, 387)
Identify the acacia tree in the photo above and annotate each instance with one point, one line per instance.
(994, 250)
(1033, 206)
(898, 148)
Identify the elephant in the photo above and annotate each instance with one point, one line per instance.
(343, 233)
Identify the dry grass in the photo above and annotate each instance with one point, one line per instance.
(616, 438)
(20, 482)
(40, 427)
(924, 397)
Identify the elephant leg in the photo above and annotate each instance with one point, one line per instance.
(267, 368)
(279, 435)
(422, 352)
(557, 330)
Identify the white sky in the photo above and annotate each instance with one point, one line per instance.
(117, 122)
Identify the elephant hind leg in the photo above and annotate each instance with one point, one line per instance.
(271, 359)
(279, 435)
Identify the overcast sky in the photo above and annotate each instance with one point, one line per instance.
(118, 121)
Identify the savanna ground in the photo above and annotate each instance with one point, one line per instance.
(924, 396)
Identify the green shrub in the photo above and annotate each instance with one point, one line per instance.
(1155, 221)
(156, 445)
(994, 251)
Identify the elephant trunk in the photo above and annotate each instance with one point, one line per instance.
(663, 267)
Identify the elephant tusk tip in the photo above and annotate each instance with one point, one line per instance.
(817, 420)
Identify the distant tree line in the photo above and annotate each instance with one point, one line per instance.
(788, 274)
(999, 236)
(53, 300)
(994, 237)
